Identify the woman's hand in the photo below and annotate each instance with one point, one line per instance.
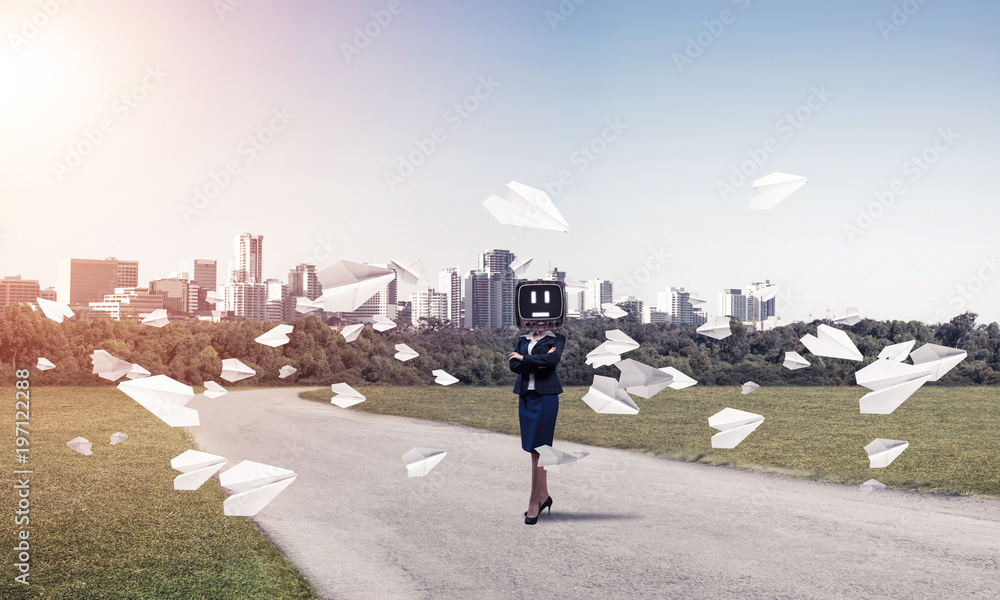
(514, 356)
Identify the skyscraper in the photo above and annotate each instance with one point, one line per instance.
(491, 306)
(302, 282)
(450, 284)
(598, 292)
(477, 300)
(80, 281)
(733, 303)
(202, 272)
(428, 304)
(676, 301)
(248, 254)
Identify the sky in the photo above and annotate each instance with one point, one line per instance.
(374, 130)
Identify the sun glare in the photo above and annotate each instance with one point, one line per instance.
(35, 87)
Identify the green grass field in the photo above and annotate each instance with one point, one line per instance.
(110, 525)
(811, 432)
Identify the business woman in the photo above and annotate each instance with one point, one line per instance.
(534, 359)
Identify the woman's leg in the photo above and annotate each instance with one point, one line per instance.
(533, 501)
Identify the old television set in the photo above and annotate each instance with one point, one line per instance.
(540, 305)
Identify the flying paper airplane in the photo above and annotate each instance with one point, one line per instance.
(117, 438)
(733, 425)
(609, 352)
(749, 387)
(195, 467)
(44, 364)
(767, 292)
(382, 323)
(897, 352)
(695, 299)
(420, 461)
(526, 207)
(255, 485)
(794, 360)
(346, 395)
(443, 377)
(680, 381)
(557, 461)
(520, 265)
(881, 452)
(214, 390)
(574, 284)
(137, 372)
(848, 317)
(774, 188)
(939, 359)
(351, 332)
(831, 343)
(157, 318)
(612, 311)
(870, 487)
(606, 396)
(81, 445)
(405, 353)
(305, 305)
(891, 383)
(285, 371)
(164, 397)
(108, 366)
(347, 285)
(641, 379)
(276, 336)
(409, 271)
(54, 310)
(716, 327)
(234, 370)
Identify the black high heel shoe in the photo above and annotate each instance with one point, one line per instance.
(529, 520)
(547, 504)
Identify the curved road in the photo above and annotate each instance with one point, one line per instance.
(623, 525)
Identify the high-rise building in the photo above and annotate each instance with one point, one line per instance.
(14, 290)
(450, 284)
(491, 299)
(277, 307)
(598, 293)
(677, 302)
(478, 298)
(127, 273)
(756, 310)
(202, 272)
(302, 282)
(248, 257)
(246, 300)
(428, 304)
(633, 305)
(180, 295)
(80, 281)
(733, 303)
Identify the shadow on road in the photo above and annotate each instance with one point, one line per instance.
(582, 516)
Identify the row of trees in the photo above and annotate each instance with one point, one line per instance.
(192, 351)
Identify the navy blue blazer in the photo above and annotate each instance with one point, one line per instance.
(540, 362)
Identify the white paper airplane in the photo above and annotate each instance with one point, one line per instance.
(938, 359)
(607, 397)
(442, 377)
(109, 367)
(774, 188)
(794, 360)
(767, 292)
(351, 332)
(641, 379)
(56, 311)
(733, 425)
(405, 353)
(609, 352)
(276, 336)
(882, 452)
(195, 467)
(285, 371)
(305, 305)
(526, 207)
(575, 285)
(234, 370)
(347, 285)
(117, 438)
(44, 364)
(214, 297)
(848, 317)
(420, 461)
(680, 381)
(897, 352)
(716, 327)
(346, 395)
(891, 383)
(520, 266)
(137, 372)
(870, 487)
(164, 397)
(749, 387)
(382, 323)
(695, 299)
(612, 311)
(157, 318)
(214, 390)
(81, 445)
(255, 485)
(831, 343)
(556, 461)
(408, 271)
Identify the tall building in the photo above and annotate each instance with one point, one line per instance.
(302, 282)
(80, 281)
(633, 305)
(733, 303)
(598, 292)
(202, 272)
(248, 257)
(14, 290)
(277, 307)
(179, 294)
(677, 302)
(246, 300)
(428, 304)
(489, 291)
(450, 284)
(127, 273)
(477, 300)
(756, 310)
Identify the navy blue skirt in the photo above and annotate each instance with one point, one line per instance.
(537, 413)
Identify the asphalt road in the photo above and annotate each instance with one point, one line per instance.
(623, 525)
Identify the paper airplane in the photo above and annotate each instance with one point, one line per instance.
(346, 395)
(109, 367)
(56, 311)
(575, 285)
(939, 359)
(848, 317)
(897, 352)
(557, 461)
(214, 297)
(767, 292)
(831, 343)
(347, 285)
(749, 387)
(157, 318)
(117, 438)
(443, 377)
(214, 390)
(405, 353)
(680, 381)
(137, 372)
(408, 271)
(382, 323)
(882, 452)
(607, 397)
(794, 360)
(285, 371)
(695, 299)
(234, 370)
(520, 266)
(44, 364)
(420, 461)
(305, 305)
(733, 425)
(716, 327)
(195, 467)
(774, 188)
(641, 379)
(255, 485)
(81, 445)
(164, 397)
(609, 352)
(870, 487)
(276, 336)
(526, 207)
(612, 311)
(891, 383)
(351, 332)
